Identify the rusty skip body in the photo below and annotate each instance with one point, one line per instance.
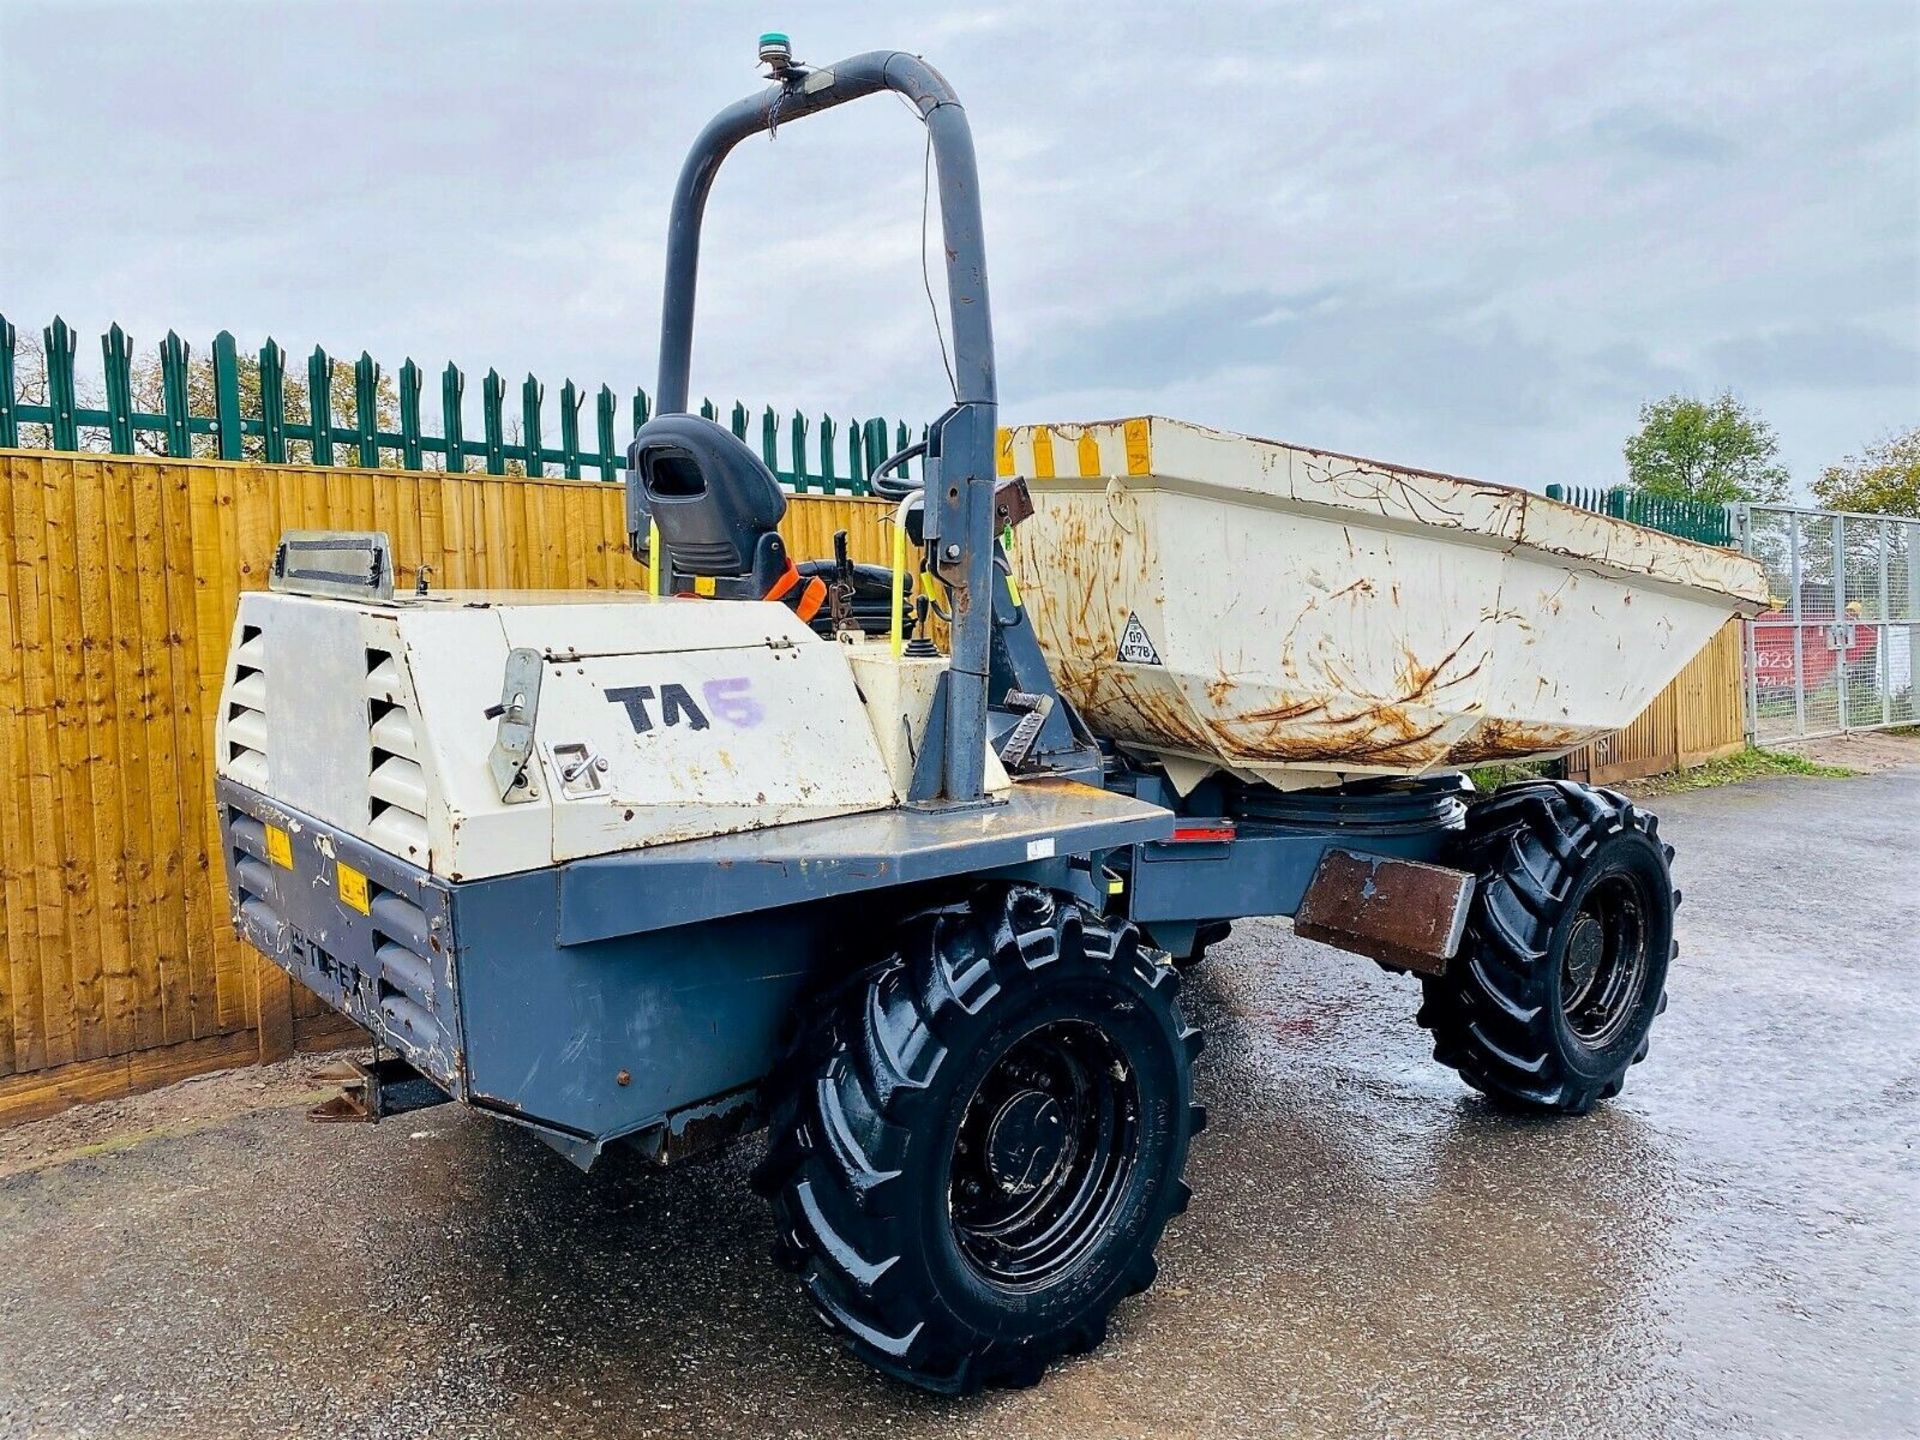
(1219, 602)
(1404, 913)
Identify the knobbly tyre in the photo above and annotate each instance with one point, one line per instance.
(652, 872)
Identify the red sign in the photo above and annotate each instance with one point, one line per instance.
(1773, 635)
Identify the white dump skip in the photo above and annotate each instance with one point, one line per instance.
(1225, 602)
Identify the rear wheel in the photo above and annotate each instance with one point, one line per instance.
(1564, 963)
(979, 1140)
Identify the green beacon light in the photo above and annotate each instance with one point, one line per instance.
(776, 52)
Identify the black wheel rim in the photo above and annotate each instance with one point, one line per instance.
(1604, 964)
(1042, 1155)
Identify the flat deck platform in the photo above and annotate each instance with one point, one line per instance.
(696, 880)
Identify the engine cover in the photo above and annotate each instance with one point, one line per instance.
(657, 720)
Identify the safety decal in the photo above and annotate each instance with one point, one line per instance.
(1135, 647)
(352, 885)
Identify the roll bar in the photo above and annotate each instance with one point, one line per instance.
(959, 466)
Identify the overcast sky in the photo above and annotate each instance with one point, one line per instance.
(1471, 237)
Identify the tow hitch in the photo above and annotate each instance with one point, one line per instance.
(374, 1088)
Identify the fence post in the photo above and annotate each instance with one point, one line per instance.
(531, 393)
(116, 362)
(452, 385)
(366, 409)
(603, 413)
(1749, 659)
(1799, 628)
(273, 402)
(799, 453)
(770, 439)
(1842, 676)
(410, 454)
(1883, 632)
(320, 405)
(874, 435)
(60, 346)
(226, 397)
(9, 422)
(493, 397)
(570, 430)
(173, 385)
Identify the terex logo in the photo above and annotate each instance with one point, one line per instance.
(730, 700)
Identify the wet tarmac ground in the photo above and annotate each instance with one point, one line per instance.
(1733, 1248)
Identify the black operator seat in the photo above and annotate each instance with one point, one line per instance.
(718, 508)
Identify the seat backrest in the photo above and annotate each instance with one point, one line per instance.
(712, 497)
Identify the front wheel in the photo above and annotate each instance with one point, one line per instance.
(1564, 963)
(979, 1140)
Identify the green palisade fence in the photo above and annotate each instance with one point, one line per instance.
(821, 455)
(1689, 519)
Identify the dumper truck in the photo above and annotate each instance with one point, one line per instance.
(907, 864)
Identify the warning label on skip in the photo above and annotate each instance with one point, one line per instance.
(1135, 647)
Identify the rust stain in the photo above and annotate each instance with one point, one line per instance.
(1417, 680)
(1380, 735)
(1509, 739)
(1278, 714)
(1100, 554)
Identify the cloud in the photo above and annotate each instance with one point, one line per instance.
(1821, 357)
(1642, 131)
(1360, 351)
(1457, 237)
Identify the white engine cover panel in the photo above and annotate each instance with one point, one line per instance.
(704, 742)
(657, 721)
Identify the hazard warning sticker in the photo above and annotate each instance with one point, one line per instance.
(1135, 647)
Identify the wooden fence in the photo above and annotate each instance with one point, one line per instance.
(1699, 717)
(118, 967)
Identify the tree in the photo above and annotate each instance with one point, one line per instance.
(1884, 480)
(148, 386)
(149, 395)
(1713, 451)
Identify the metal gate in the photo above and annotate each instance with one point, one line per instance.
(1839, 645)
